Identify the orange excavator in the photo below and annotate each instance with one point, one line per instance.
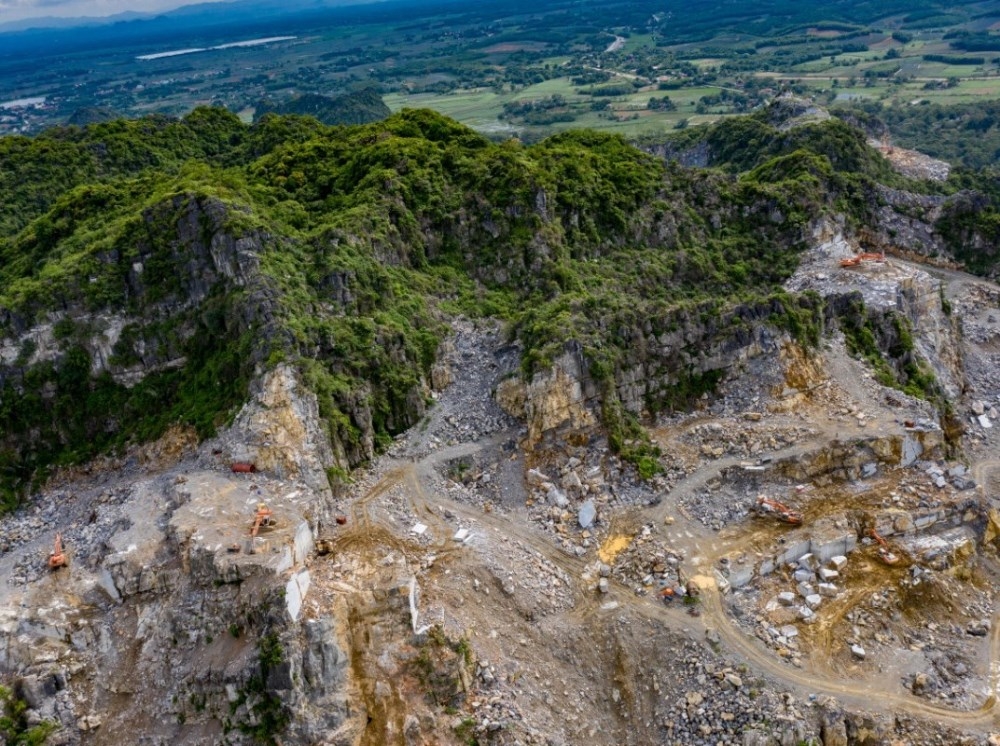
(57, 557)
(884, 553)
(668, 594)
(864, 256)
(778, 510)
(263, 518)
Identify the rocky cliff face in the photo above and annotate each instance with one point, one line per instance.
(937, 333)
(183, 254)
(182, 305)
(698, 155)
(280, 431)
(930, 229)
(905, 308)
(156, 629)
(667, 363)
(905, 222)
(564, 395)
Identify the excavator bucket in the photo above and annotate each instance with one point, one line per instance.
(887, 556)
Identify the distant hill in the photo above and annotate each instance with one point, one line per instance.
(92, 115)
(359, 107)
(208, 11)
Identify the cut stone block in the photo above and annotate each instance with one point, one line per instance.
(827, 590)
(803, 575)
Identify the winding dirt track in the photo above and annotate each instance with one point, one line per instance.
(983, 468)
(414, 476)
(859, 693)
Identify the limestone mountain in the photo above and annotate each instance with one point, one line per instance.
(356, 107)
(154, 270)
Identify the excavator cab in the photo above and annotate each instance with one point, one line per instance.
(264, 516)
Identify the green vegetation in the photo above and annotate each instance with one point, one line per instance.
(964, 134)
(357, 107)
(270, 715)
(465, 731)
(436, 666)
(831, 150)
(65, 415)
(14, 728)
(372, 229)
(230, 249)
(971, 223)
(478, 62)
(885, 341)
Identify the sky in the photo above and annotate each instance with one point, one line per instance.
(17, 10)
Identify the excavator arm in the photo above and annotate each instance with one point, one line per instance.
(779, 510)
(884, 552)
(57, 557)
(262, 517)
(864, 256)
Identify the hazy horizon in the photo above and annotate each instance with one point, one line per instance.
(24, 10)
